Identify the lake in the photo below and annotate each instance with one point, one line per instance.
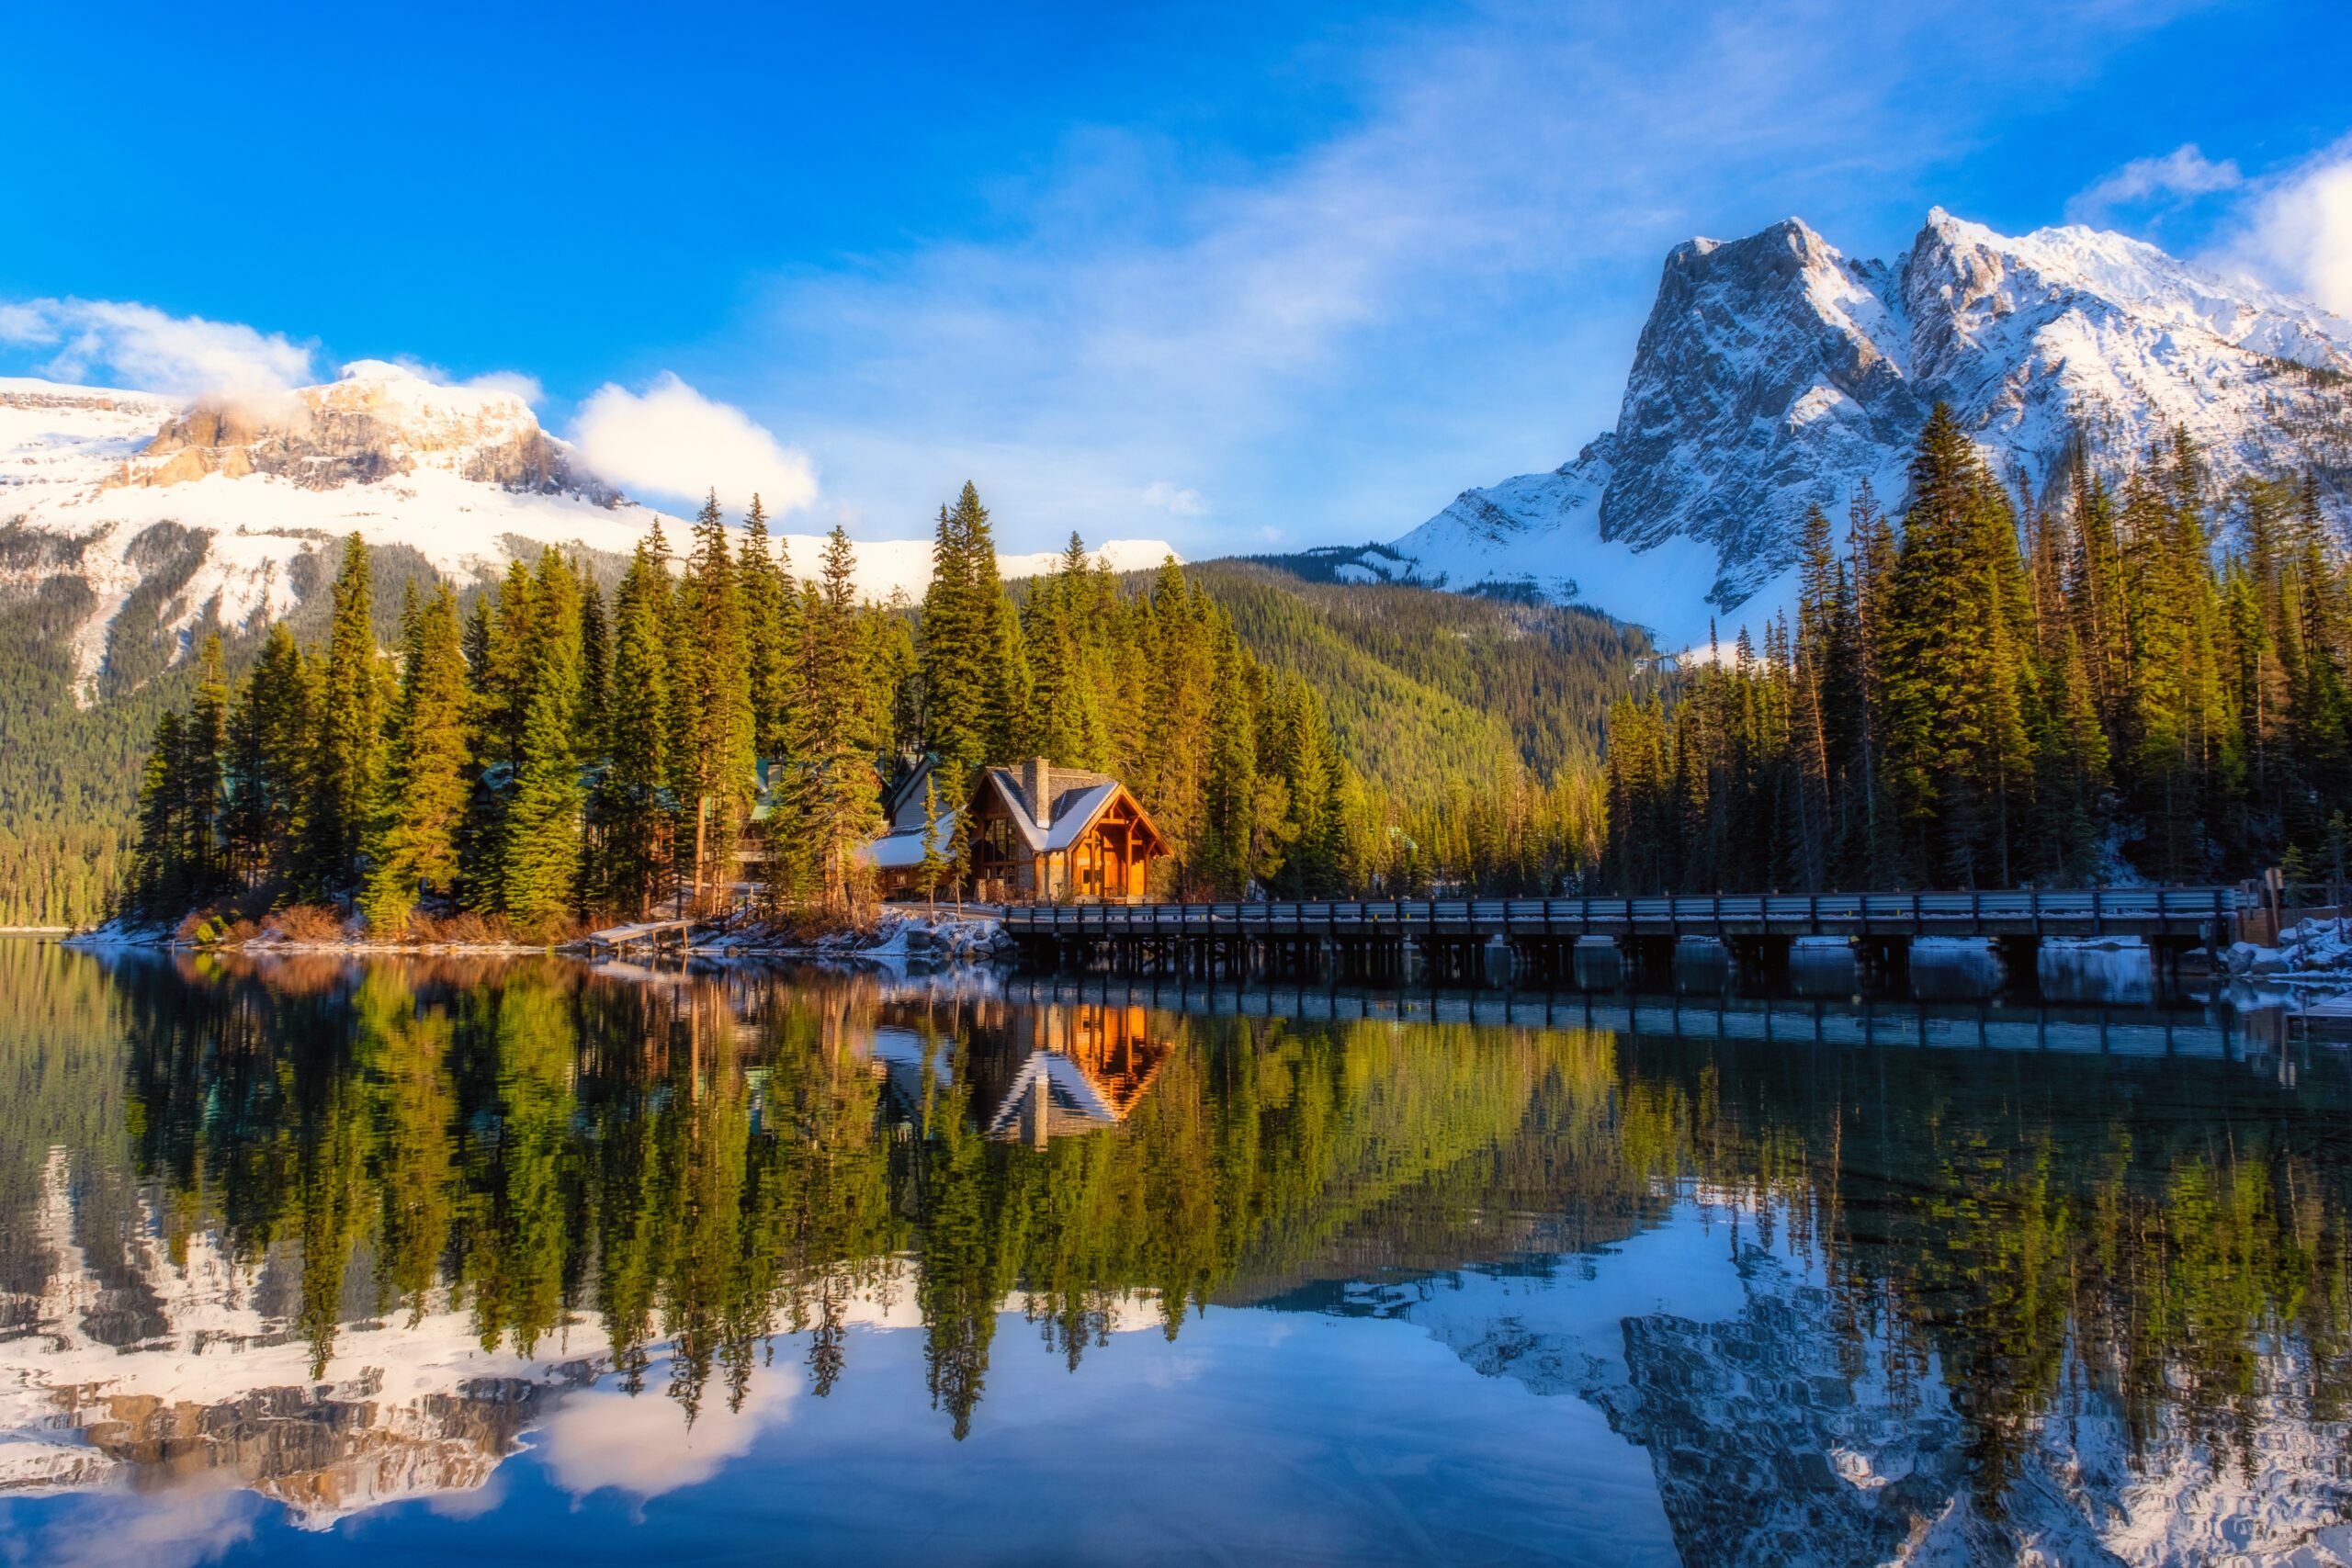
(520, 1260)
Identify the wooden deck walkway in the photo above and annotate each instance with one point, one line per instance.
(2179, 913)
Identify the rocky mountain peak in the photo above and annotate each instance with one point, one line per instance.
(377, 420)
(1776, 374)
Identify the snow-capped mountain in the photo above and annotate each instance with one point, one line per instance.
(212, 506)
(1774, 373)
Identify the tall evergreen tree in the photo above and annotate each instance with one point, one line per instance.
(713, 767)
(413, 846)
(538, 868)
(346, 764)
(634, 810)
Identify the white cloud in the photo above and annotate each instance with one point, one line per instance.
(151, 351)
(1172, 498)
(514, 383)
(182, 1526)
(24, 326)
(2297, 230)
(672, 441)
(2181, 175)
(640, 1443)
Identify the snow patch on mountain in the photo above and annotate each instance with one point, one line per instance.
(1775, 373)
(463, 475)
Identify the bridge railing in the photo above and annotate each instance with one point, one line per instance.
(2084, 912)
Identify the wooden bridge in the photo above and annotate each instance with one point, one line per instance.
(1374, 936)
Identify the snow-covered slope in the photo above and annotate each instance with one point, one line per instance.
(1774, 373)
(465, 476)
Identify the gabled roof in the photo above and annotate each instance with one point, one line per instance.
(1077, 795)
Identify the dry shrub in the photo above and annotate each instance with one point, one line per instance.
(461, 929)
(306, 922)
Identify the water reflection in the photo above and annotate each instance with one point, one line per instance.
(1852, 1282)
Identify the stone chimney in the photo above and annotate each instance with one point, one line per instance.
(1038, 783)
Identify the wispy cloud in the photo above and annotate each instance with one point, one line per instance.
(514, 383)
(152, 350)
(1175, 500)
(1443, 292)
(2182, 174)
(2295, 230)
(670, 440)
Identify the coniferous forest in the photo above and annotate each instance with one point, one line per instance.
(720, 725)
(2132, 675)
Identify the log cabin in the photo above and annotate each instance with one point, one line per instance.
(1039, 834)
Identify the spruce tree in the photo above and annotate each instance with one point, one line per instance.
(204, 754)
(346, 764)
(713, 767)
(595, 666)
(413, 847)
(958, 644)
(634, 810)
(837, 805)
(935, 859)
(539, 867)
(271, 730)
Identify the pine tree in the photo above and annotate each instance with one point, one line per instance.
(413, 847)
(769, 602)
(963, 695)
(345, 764)
(838, 805)
(205, 745)
(596, 668)
(538, 868)
(713, 767)
(271, 728)
(935, 861)
(157, 882)
(633, 807)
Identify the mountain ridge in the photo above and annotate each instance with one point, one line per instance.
(1774, 373)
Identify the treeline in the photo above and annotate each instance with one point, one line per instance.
(2136, 678)
(554, 756)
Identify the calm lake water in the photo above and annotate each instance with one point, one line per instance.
(524, 1261)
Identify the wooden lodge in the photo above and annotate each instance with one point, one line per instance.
(1038, 834)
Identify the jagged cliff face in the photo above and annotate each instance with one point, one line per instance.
(377, 423)
(1774, 373)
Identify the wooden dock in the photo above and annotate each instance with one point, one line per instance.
(650, 935)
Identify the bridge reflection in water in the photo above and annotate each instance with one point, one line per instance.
(2257, 1038)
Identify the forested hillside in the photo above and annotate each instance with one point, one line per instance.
(1423, 687)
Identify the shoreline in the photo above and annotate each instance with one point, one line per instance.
(938, 938)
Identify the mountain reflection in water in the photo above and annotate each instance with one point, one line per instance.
(284, 1246)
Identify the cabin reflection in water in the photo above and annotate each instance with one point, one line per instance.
(1035, 1074)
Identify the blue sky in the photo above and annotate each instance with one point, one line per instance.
(1241, 277)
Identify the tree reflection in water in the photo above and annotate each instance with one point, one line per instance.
(695, 1166)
